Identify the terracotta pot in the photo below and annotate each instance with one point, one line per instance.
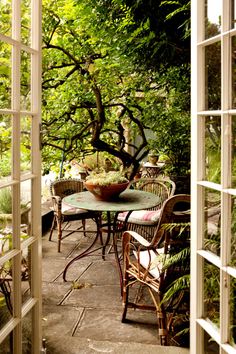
(153, 159)
(108, 192)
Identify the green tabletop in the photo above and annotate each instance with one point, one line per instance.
(128, 200)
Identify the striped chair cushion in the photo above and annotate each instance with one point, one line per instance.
(141, 217)
(69, 210)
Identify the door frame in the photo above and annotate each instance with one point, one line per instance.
(31, 309)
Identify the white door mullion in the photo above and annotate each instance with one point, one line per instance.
(16, 20)
(16, 264)
(199, 323)
(197, 87)
(225, 175)
(36, 19)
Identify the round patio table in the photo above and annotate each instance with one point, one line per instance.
(129, 200)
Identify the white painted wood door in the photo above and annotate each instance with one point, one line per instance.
(20, 176)
(213, 239)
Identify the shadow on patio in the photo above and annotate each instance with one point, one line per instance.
(83, 315)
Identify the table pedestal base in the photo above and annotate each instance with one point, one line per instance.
(110, 229)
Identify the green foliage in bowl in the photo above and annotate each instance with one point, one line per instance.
(106, 178)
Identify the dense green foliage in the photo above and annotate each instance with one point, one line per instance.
(5, 201)
(159, 31)
(108, 82)
(96, 91)
(172, 123)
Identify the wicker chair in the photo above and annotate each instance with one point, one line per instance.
(145, 264)
(64, 213)
(145, 221)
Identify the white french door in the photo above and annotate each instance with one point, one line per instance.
(213, 239)
(20, 176)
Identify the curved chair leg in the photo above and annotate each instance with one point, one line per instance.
(125, 307)
(98, 221)
(125, 297)
(84, 226)
(52, 228)
(59, 236)
(162, 328)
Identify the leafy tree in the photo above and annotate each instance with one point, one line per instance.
(98, 93)
(91, 90)
(94, 93)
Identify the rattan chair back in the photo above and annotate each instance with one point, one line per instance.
(163, 187)
(64, 187)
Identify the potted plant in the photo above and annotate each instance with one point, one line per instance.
(153, 157)
(6, 209)
(106, 185)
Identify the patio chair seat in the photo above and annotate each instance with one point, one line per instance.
(141, 217)
(68, 210)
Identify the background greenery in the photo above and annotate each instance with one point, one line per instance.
(112, 72)
(102, 87)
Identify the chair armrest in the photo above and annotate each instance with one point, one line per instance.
(128, 234)
(56, 203)
(56, 198)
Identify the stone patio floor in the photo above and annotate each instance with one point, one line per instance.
(83, 314)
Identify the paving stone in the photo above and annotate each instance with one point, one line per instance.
(99, 324)
(59, 320)
(102, 273)
(53, 293)
(54, 272)
(89, 317)
(88, 346)
(95, 296)
(50, 249)
(70, 246)
(95, 253)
